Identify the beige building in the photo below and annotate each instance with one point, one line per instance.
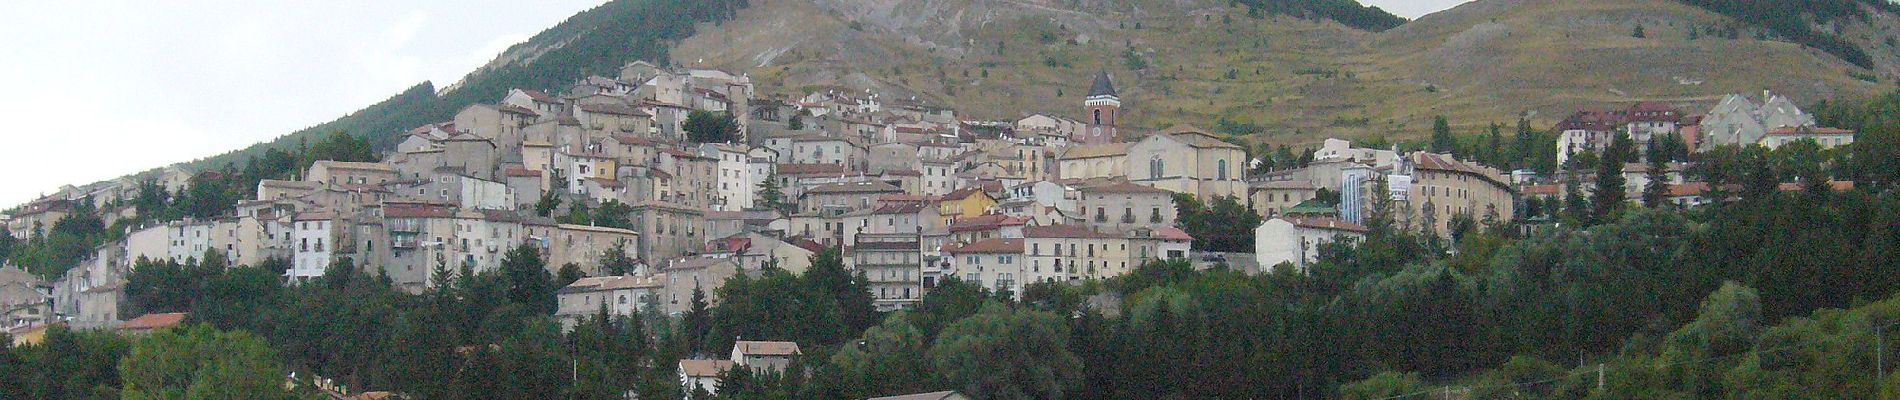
(1272, 198)
(1184, 159)
(1125, 205)
(1442, 187)
(620, 295)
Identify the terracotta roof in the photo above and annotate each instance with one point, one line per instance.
(1064, 231)
(153, 321)
(988, 246)
(1543, 190)
(809, 169)
(1292, 184)
(764, 348)
(1098, 150)
(856, 187)
(399, 210)
(907, 198)
(904, 172)
(1122, 187)
(540, 96)
(514, 109)
(613, 109)
(1688, 189)
(1173, 233)
(520, 172)
(948, 394)
(705, 368)
(963, 193)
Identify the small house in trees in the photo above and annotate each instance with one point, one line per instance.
(702, 375)
(149, 323)
(944, 395)
(764, 356)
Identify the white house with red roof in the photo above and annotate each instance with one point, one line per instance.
(1295, 241)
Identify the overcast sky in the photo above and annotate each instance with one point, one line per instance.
(98, 89)
(1413, 8)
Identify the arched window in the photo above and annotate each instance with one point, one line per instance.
(1098, 116)
(1223, 169)
(1155, 168)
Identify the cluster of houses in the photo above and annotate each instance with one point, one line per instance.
(910, 194)
(1769, 121)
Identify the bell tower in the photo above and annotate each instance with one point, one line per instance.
(1103, 108)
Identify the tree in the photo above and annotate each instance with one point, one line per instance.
(771, 196)
(550, 200)
(1656, 194)
(201, 362)
(1638, 33)
(796, 123)
(614, 260)
(1609, 196)
(850, 292)
(527, 280)
(891, 359)
(569, 273)
(698, 324)
(1442, 141)
(711, 127)
(1003, 353)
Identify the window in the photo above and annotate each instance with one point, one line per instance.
(1155, 168)
(1155, 217)
(1223, 169)
(1128, 215)
(1101, 214)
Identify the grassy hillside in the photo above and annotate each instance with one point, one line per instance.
(1275, 78)
(596, 41)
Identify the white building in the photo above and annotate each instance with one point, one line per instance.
(1296, 241)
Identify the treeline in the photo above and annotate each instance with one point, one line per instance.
(594, 42)
(1795, 21)
(1346, 12)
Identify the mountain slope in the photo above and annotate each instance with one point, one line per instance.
(597, 41)
(1281, 79)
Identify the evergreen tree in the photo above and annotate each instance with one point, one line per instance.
(771, 196)
(527, 282)
(1638, 33)
(698, 324)
(1609, 195)
(1656, 194)
(1442, 141)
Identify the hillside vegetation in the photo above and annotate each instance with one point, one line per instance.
(1277, 78)
(597, 41)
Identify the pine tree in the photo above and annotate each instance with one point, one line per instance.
(698, 324)
(771, 196)
(1442, 142)
(1656, 194)
(1639, 32)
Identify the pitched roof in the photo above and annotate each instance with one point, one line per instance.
(963, 193)
(1064, 231)
(809, 169)
(705, 368)
(613, 109)
(153, 321)
(1098, 150)
(1324, 223)
(856, 187)
(943, 395)
(1195, 137)
(1103, 86)
(1122, 187)
(540, 96)
(988, 246)
(765, 348)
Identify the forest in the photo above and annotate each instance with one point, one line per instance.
(1346, 12)
(1797, 21)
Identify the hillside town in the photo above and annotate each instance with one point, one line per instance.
(909, 193)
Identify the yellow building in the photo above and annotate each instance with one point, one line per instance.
(965, 203)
